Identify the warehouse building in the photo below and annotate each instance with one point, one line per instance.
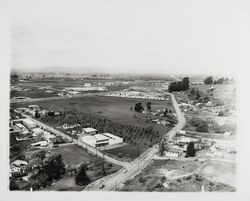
(29, 123)
(97, 140)
(100, 140)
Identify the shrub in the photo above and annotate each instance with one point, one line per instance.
(142, 179)
(221, 114)
(163, 179)
(202, 127)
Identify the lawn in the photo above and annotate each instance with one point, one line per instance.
(74, 155)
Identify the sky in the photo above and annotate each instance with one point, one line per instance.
(147, 36)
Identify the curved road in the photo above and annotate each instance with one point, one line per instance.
(114, 181)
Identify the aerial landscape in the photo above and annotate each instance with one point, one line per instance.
(139, 133)
(124, 96)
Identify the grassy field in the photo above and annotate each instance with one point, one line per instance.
(177, 176)
(74, 155)
(116, 109)
(35, 93)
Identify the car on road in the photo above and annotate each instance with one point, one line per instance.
(102, 186)
(124, 171)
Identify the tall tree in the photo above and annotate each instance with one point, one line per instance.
(139, 107)
(149, 106)
(81, 177)
(190, 150)
(208, 80)
(54, 167)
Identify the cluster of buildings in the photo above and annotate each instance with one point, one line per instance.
(34, 110)
(88, 87)
(28, 129)
(18, 168)
(215, 148)
(134, 95)
(90, 136)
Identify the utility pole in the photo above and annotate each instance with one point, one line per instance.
(138, 157)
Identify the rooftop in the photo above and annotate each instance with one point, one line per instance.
(87, 130)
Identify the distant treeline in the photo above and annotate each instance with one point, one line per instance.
(179, 86)
(210, 80)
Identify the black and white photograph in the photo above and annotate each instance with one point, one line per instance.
(125, 96)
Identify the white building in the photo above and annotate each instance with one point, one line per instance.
(186, 140)
(37, 131)
(182, 132)
(87, 84)
(40, 143)
(29, 123)
(171, 154)
(48, 136)
(20, 126)
(89, 131)
(113, 138)
(19, 163)
(97, 140)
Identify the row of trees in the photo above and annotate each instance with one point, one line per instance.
(179, 86)
(210, 80)
(139, 107)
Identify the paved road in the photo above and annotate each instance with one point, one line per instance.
(114, 181)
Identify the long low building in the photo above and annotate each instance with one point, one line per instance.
(29, 123)
(97, 140)
(113, 139)
(100, 140)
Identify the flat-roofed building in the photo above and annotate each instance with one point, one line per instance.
(97, 140)
(29, 123)
(113, 138)
(20, 126)
(89, 131)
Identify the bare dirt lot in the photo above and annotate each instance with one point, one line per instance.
(173, 175)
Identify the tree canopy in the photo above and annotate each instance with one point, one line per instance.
(179, 86)
(208, 80)
(190, 150)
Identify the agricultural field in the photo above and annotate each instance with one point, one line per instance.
(180, 176)
(33, 92)
(115, 109)
(113, 115)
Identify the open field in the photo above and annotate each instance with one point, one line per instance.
(34, 92)
(116, 109)
(74, 155)
(173, 176)
(127, 152)
(62, 83)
